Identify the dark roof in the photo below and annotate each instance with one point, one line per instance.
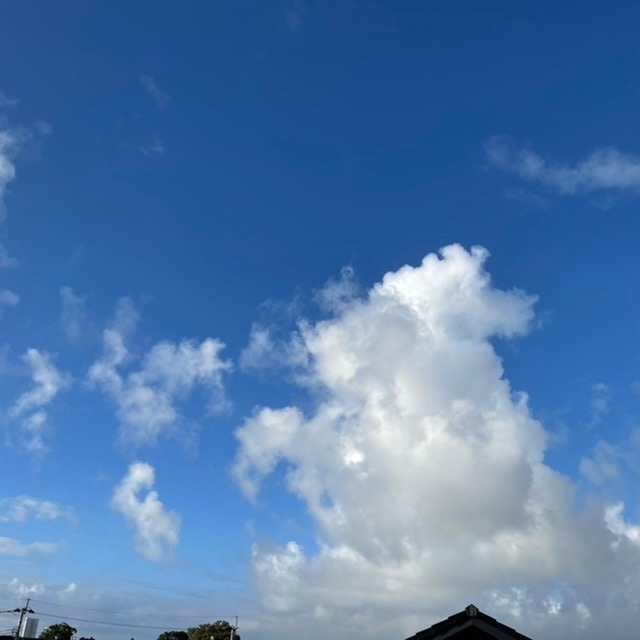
(470, 623)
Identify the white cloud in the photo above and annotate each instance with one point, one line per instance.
(22, 508)
(157, 530)
(265, 352)
(617, 524)
(9, 145)
(603, 465)
(12, 139)
(34, 429)
(149, 84)
(15, 548)
(47, 381)
(6, 261)
(8, 299)
(146, 399)
(602, 169)
(6, 102)
(260, 351)
(336, 294)
(23, 590)
(265, 349)
(156, 147)
(74, 313)
(424, 471)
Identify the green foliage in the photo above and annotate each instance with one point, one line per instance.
(173, 635)
(220, 630)
(58, 631)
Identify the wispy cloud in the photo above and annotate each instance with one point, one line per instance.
(6, 261)
(47, 382)
(74, 313)
(23, 508)
(602, 169)
(22, 590)
(268, 349)
(603, 465)
(8, 299)
(149, 84)
(12, 140)
(147, 399)
(13, 547)
(157, 531)
(155, 147)
(619, 526)
(6, 102)
(9, 145)
(294, 18)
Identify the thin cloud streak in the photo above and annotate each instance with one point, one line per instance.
(15, 548)
(9, 146)
(23, 508)
(602, 169)
(8, 299)
(74, 313)
(161, 98)
(6, 261)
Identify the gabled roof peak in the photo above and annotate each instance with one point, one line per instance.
(469, 623)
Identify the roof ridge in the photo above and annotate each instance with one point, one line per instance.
(469, 615)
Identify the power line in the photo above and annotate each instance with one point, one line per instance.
(133, 613)
(114, 624)
(25, 609)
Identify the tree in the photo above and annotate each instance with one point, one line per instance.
(173, 635)
(220, 630)
(58, 631)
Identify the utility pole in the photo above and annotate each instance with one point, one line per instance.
(22, 611)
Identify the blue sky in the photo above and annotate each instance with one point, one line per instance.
(213, 225)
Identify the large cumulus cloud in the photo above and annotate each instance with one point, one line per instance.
(424, 471)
